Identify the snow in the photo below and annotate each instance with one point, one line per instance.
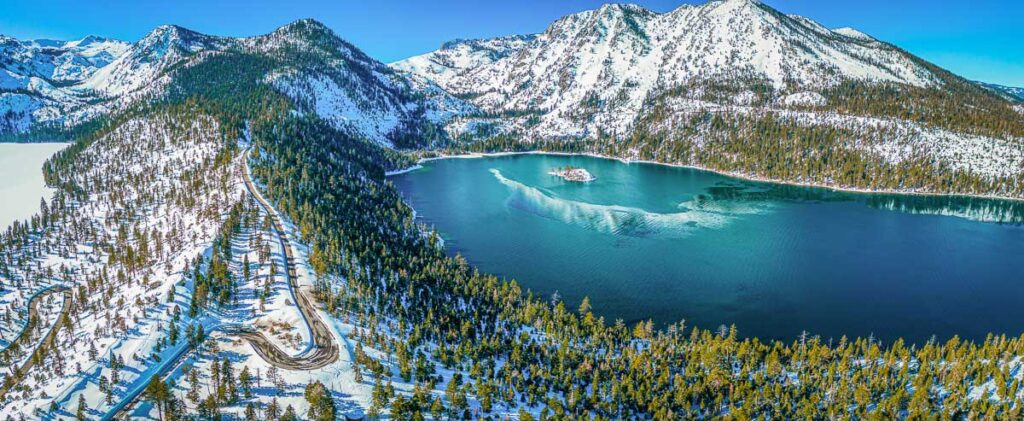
(853, 33)
(134, 328)
(593, 71)
(22, 185)
(344, 108)
(806, 99)
(351, 397)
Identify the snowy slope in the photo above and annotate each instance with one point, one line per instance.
(57, 61)
(615, 57)
(321, 72)
(36, 75)
(460, 56)
(349, 88)
(162, 48)
(1010, 92)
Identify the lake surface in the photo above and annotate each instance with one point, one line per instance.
(21, 179)
(656, 242)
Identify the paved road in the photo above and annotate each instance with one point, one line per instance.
(324, 349)
(47, 342)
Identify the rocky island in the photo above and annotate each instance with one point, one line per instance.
(580, 175)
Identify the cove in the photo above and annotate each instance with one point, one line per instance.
(646, 241)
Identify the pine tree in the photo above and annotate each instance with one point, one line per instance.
(83, 409)
(321, 404)
(245, 380)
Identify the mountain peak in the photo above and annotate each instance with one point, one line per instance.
(853, 33)
(169, 35)
(740, 2)
(307, 25)
(622, 7)
(89, 39)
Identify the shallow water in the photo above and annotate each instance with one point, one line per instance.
(21, 179)
(651, 241)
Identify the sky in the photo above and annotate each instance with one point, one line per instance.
(979, 39)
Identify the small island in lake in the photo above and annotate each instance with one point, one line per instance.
(580, 175)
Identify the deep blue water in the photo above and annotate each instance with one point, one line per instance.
(656, 242)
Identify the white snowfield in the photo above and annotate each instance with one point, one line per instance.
(618, 56)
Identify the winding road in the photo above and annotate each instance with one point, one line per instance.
(25, 336)
(322, 351)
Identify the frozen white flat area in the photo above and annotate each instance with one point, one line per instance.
(21, 179)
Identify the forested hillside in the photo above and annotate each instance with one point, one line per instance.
(165, 251)
(738, 87)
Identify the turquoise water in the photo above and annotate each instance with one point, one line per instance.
(656, 242)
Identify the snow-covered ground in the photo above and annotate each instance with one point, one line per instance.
(21, 179)
(119, 310)
(281, 321)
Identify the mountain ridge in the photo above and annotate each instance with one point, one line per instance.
(328, 76)
(680, 86)
(626, 52)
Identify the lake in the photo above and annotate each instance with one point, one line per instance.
(649, 241)
(21, 179)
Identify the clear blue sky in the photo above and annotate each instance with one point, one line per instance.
(980, 39)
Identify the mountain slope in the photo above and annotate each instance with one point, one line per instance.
(458, 56)
(618, 56)
(57, 62)
(34, 76)
(1012, 93)
(304, 60)
(681, 86)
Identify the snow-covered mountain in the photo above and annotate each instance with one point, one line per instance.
(1012, 93)
(462, 55)
(162, 48)
(618, 56)
(348, 88)
(35, 76)
(57, 62)
(307, 62)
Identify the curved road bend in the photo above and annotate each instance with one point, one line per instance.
(23, 338)
(323, 350)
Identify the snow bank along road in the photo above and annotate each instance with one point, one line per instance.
(33, 319)
(323, 350)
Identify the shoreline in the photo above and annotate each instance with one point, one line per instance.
(741, 176)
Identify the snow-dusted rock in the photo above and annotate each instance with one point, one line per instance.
(804, 99)
(592, 71)
(345, 87)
